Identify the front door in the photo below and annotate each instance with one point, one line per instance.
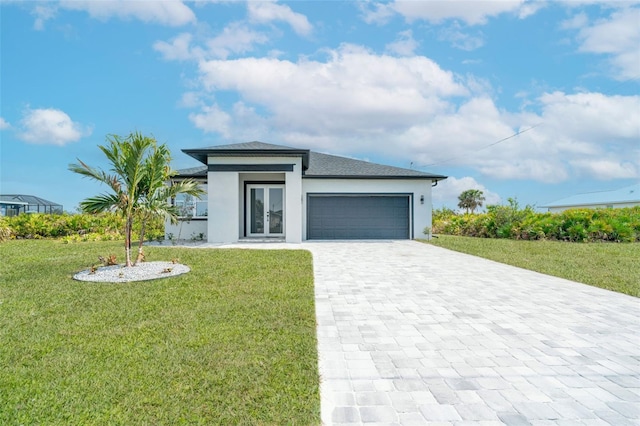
(265, 210)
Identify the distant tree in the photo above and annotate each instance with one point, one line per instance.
(138, 181)
(471, 199)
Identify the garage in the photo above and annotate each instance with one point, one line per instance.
(361, 217)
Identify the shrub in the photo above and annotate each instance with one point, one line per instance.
(86, 227)
(510, 221)
(5, 233)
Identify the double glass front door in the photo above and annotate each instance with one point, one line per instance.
(265, 210)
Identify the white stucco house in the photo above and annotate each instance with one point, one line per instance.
(260, 191)
(628, 196)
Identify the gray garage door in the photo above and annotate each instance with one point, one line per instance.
(358, 217)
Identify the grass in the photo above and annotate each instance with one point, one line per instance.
(613, 266)
(231, 342)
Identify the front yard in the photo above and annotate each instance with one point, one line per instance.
(231, 342)
(613, 266)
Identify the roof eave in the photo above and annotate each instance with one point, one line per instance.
(202, 155)
(376, 177)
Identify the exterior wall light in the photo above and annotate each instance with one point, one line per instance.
(422, 199)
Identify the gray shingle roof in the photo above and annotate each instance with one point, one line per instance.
(326, 166)
(255, 145)
(316, 165)
(193, 172)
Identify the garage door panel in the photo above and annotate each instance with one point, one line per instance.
(358, 217)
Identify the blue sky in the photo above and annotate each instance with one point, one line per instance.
(526, 99)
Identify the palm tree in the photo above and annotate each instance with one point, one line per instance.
(138, 179)
(471, 199)
(155, 192)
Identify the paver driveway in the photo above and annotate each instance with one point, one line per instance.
(410, 333)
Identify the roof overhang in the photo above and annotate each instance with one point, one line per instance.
(203, 154)
(376, 177)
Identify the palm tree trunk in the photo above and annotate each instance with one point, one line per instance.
(127, 240)
(140, 257)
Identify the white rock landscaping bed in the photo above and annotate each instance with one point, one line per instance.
(141, 272)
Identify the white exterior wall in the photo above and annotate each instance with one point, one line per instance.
(186, 230)
(226, 197)
(223, 205)
(419, 187)
(293, 212)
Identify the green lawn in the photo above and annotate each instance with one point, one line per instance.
(231, 342)
(614, 266)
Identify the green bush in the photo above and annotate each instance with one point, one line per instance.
(511, 221)
(74, 227)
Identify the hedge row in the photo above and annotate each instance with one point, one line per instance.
(579, 225)
(39, 225)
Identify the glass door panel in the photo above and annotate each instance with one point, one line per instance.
(256, 214)
(276, 210)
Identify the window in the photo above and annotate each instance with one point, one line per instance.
(190, 206)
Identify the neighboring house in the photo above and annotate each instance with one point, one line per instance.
(624, 197)
(14, 204)
(259, 190)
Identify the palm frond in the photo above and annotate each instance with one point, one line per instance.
(100, 203)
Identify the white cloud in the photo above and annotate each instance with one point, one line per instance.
(235, 38)
(460, 39)
(410, 109)
(447, 191)
(4, 124)
(592, 117)
(353, 92)
(268, 11)
(43, 12)
(165, 12)
(472, 12)
(178, 49)
(617, 36)
(578, 21)
(50, 126)
(212, 119)
(375, 13)
(607, 169)
(405, 45)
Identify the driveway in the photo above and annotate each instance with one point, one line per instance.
(410, 333)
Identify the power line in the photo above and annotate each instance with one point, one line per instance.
(565, 95)
(484, 147)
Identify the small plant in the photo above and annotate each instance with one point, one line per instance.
(197, 237)
(167, 270)
(427, 231)
(93, 269)
(5, 233)
(109, 260)
(175, 260)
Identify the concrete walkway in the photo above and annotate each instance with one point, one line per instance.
(409, 333)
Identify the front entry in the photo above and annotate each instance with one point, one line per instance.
(265, 210)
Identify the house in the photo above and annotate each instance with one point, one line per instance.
(15, 204)
(257, 190)
(625, 197)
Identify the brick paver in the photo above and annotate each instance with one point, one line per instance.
(410, 333)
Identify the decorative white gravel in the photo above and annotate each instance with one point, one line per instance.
(140, 272)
